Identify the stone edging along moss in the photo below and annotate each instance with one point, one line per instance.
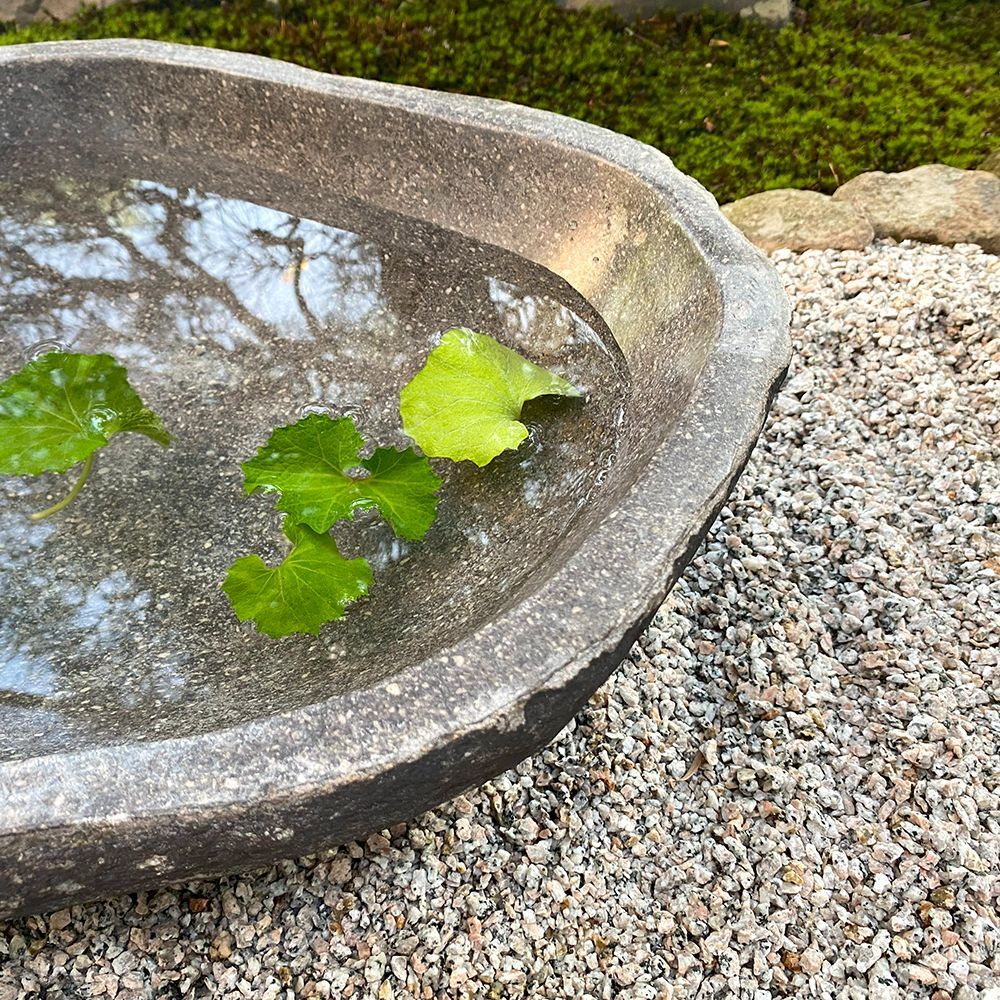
(931, 204)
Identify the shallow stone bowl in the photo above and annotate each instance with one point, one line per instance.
(699, 326)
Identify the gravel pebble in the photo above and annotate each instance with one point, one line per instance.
(789, 789)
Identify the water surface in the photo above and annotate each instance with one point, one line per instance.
(234, 312)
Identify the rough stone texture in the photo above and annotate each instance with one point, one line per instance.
(772, 11)
(789, 790)
(701, 321)
(991, 163)
(799, 220)
(775, 12)
(932, 203)
(30, 11)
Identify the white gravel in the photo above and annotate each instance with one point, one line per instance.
(791, 789)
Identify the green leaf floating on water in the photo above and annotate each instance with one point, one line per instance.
(466, 400)
(310, 463)
(61, 408)
(312, 585)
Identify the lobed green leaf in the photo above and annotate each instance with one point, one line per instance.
(466, 400)
(314, 465)
(62, 407)
(311, 586)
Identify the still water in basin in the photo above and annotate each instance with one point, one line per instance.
(234, 315)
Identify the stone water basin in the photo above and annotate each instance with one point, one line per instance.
(256, 241)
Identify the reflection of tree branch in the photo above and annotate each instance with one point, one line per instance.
(20, 699)
(174, 214)
(79, 295)
(73, 293)
(46, 272)
(312, 323)
(171, 259)
(219, 289)
(290, 239)
(225, 292)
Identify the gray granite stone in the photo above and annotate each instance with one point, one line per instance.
(771, 11)
(702, 328)
(41, 11)
(775, 12)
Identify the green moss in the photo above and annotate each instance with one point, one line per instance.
(850, 86)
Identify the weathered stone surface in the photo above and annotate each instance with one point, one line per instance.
(991, 163)
(703, 329)
(933, 204)
(799, 220)
(775, 12)
(30, 11)
(770, 11)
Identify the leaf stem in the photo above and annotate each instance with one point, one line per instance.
(71, 496)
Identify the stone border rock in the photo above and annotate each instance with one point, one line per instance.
(788, 219)
(930, 204)
(776, 12)
(23, 12)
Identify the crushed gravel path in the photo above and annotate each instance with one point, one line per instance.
(791, 789)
